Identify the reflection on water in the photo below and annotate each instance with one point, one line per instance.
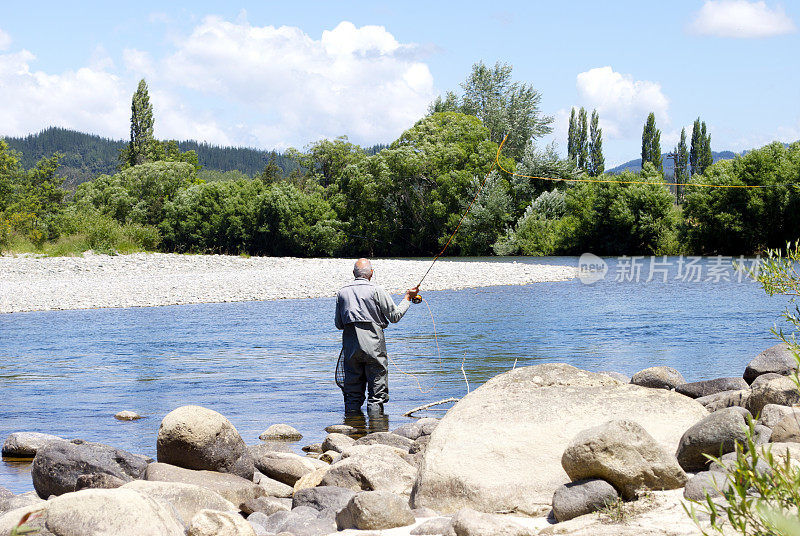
(258, 363)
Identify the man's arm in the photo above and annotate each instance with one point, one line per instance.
(338, 317)
(393, 312)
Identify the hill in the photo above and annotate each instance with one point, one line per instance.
(669, 164)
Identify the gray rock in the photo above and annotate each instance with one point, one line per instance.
(715, 435)
(25, 444)
(301, 521)
(787, 430)
(215, 523)
(778, 359)
(415, 430)
(315, 448)
(711, 387)
(658, 378)
(436, 526)
(371, 472)
(420, 445)
(99, 481)
(260, 518)
(467, 522)
(57, 466)
(772, 414)
(623, 454)
(231, 487)
(500, 447)
(776, 390)
(582, 497)
(375, 510)
(187, 499)
(616, 375)
(259, 530)
(199, 438)
(385, 438)
(265, 505)
(345, 429)
(337, 442)
(706, 482)
(12, 502)
(424, 511)
(323, 497)
(281, 432)
(5, 493)
(272, 487)
(727, 463)
(763, 434)
(127, 416)
(284, 467)
(725, 399)
(427, 425)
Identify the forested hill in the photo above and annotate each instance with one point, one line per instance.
(86, 156)
(669, 164)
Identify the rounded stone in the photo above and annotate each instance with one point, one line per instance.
(658, 378)
(280, 432)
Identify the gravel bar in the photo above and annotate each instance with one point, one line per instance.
(31, 283)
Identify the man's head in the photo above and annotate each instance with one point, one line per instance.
(363, 268)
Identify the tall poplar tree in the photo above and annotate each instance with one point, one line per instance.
(681, 166)
(596, 161)
(141, 125)
(651, 144)
(696, 148)
(706, 158)
(572, 153)
(583, 140)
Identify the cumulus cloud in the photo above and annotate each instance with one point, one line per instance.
(622, 102)
(741, 19)
(5, 40)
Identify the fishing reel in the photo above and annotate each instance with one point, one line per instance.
(416, 299)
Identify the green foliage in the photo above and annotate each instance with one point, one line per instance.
(539, 163)
(490, 215)
(696, 148)
(705, 157)
(582, 143)
(141, 126)
(681, 167)
(596, 163)
(740, 220)
(651, 144)
(572, 137)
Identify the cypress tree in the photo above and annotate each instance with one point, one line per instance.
(571, 135)
(141, 125)
(596, 160)
(694, 152)
(706, 158)
(582, 147)
(651, 144)
(681, 166)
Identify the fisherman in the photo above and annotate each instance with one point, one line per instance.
(363, 310)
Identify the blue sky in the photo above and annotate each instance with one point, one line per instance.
(278, 74)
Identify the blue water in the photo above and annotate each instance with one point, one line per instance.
(259, 363)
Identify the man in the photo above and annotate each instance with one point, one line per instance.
(363, 310)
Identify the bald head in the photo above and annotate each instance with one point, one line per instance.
(363, 268)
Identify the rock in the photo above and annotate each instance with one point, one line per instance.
(57, 466)
(371, 472)
(375, 510)
(725, 399)
(375, 450)
(231, 487)
(5, 493)
(311, 480)
(468, 522)
(301, 521)
(433, 527)
(424, 511)
(198, 438)
(715, 435)
(98, 481)
(214, 523)
(711, 482)
(778, 359)
(763, 434)
(25, 444)
(337, 442)
(259, 530)
(782, 451)
(417, 429)
(616, 375)
(127, 416)
(121, 512)
(772, 414)
(284, 467)
(420, 445)
(187, 499)
(315, 448)
(711, 387)
(281, 432)
(625, 455)
(658, 378)
(727, 463)
(499, 448)
(778, 390)
(12, 502)
(330, 456)
(582, 497)
(386, 438)
(427, 425)
(323, 497)
(341, 429)
(272, 487)
(265, 505)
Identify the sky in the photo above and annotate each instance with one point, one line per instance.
(273, 75)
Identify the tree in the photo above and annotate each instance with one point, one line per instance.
(696, 148)
(596, 160)
(706, 157)
(651, 144)
(141, 125)
(572, 134)
(583, 140)
(681, 166)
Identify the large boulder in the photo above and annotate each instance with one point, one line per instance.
(658, 378)
(336, 442)
(187, 499)
(285, 467)
(715, 435)
(57, 466)
(500, 447)
(725, 399)
(711, 387)
(779, 390)
(625, 455)
(582, 497)
(468, 522)
(272, 486)
(386, 438)
(12, 502)
(711, 483)
(199, 438)
(323, 497)
(214, 523)
(25, 444)
(772, 414)
(375, 510)
(787, 431)
(373, 471)
(231, 487)
(122, 512)
(778, 359)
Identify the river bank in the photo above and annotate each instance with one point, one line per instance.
(152, 279)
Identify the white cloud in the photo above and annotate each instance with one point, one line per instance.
(5, 40)
(741, 19)
(622, 102)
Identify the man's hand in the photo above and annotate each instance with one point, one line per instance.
(411, 293)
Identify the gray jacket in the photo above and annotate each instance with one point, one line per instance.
(363, 301)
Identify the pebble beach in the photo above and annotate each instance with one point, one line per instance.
(32, 283)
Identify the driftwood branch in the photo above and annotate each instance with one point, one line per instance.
(428, 405)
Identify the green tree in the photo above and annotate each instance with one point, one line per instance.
(450, 103)
(141, 126)
(572, 134)
(272, 172)
(706, 157)
(696, 148)
(596, 160)
(651, 144)
(681, 166)
(582, 144)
